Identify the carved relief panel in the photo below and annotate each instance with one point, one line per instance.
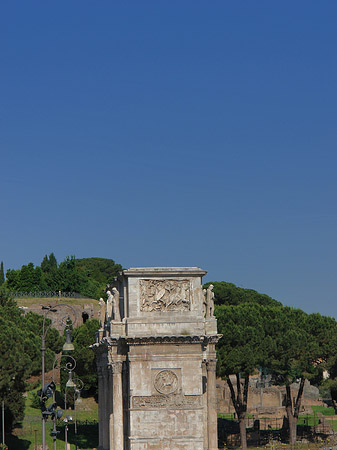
(166, 381)
(165, 295)
(167, 393)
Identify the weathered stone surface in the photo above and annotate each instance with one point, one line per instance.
(158, 364)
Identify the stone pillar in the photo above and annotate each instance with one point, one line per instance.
(106, 412)
(100, 407)
(110, 400)
(125, 294)
(204, 403)
(118, 428)
(212, 419)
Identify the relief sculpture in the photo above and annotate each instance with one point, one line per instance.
(165, 295)
(166, 382)
(167, 401)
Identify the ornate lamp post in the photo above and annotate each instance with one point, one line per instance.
(76, 384)
(69, 365)
(68, 346)
(77, 393)
(46, 309)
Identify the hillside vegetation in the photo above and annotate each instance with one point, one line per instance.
(86, 276)
(230, 294)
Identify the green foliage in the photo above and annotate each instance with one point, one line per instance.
(6, 298)
(27, 279)
(34, 400)
(229, 294)
(2, 274)
(291, 344)
(82, 337)
(20, 354)
(246, 343)
(49, 264)
(86, 276)
(302, 343)
(102, 270)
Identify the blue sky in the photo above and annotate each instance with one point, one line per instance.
(174, 133)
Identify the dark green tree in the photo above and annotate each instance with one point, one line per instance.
(301, 348)
(245, 345)
(230, 294)
(13, 279)
(82, 337)
(102, 270)
(49, 264)
(2, 274)
(326, 329)
(87, 276)
(20, 354)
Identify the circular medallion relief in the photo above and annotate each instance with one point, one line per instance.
(166, 382)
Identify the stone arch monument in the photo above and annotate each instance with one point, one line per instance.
(156, 362)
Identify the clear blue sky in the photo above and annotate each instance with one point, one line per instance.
(174, 133)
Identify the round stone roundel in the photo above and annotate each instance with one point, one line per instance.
(166, 382)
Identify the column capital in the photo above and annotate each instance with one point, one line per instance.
(116, 367)
(211, 365)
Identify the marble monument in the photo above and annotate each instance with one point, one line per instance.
(156, 362)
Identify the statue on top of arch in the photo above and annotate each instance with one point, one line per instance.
(112, 304)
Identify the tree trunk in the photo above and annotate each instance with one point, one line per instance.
(239, 400)
(293, 410)
(243, 432)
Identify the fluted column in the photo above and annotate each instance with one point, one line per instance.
(100, 407)
(118, 426)
(212, 420)
(111, 417)
(204, 402)
(106, 412)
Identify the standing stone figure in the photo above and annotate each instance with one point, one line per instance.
(117, 314)
(204, 303)
(210, 301)
(109, 305)
(102, 309)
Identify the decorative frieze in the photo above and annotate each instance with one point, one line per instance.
(165, 295)
(166, 401)
(182, 339)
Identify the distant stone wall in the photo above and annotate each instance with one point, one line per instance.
(267, 400)
(77, 313)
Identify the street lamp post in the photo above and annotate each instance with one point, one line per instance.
(77, 393)
(48, 309)
(76, 384)
(69, 365)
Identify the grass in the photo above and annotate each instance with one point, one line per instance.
(29, 432)
(298, 446)
(323, 410)
(310, 420)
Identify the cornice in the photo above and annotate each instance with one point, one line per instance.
(164, 272)
(106, 342)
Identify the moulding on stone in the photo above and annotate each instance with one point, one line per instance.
(180, 339)
(151, 340)
(163, 272)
